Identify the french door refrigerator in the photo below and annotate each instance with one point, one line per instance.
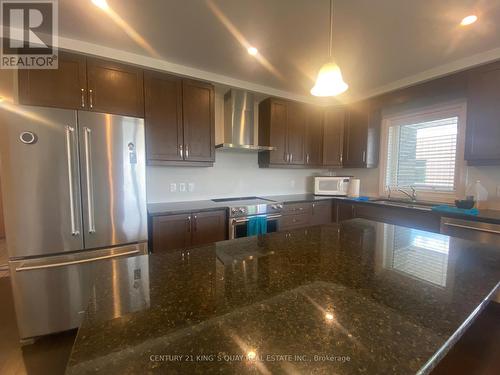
(74, 197)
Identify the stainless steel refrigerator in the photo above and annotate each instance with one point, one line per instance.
(74, 197)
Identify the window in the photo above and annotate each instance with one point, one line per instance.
(424, 150)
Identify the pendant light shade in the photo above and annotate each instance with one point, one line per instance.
(329, 81)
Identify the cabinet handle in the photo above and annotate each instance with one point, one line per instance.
(285, 156)
(341, 158)
(307, 158)
(291, 158)
(188, 221)
(83, 97)
(181, 152)
(195, 228)
(186, 147)
(91, 99)
(364, 156)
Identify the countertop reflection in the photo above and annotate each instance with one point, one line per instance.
(358, 297)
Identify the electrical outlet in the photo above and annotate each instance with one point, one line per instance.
(173, 188)
(292, 183)
(182, 187)
(191, 187)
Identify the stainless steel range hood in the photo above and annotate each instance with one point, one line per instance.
(239, 123)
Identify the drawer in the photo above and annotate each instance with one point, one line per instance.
(297, 208)
(295, 221)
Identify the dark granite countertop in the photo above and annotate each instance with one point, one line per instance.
(167, 208)
(358, 297)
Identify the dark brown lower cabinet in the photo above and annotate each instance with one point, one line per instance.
(344, 211)
(301, 215)
(173, 232)
(208, 227)
(321, 213)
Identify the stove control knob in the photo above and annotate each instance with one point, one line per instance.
(280, 206)
(241, 210)
(274, 206)
(234, 210)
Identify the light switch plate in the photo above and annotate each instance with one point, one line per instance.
(182, 187)
(173, 188)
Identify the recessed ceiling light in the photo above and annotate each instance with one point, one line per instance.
(329, 316)
(469, 20)
(103, 4)
(252, 51)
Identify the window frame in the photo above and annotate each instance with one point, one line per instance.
(424, 114)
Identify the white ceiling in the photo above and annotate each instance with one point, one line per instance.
(379, 44)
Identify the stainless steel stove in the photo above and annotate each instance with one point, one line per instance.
(242, 209)
(250, 206)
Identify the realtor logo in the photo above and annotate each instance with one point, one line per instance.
(29, 34)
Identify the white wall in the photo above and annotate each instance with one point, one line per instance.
(233, 175)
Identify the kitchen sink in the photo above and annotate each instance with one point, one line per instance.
(427, 206)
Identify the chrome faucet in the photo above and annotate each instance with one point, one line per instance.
(412, 196)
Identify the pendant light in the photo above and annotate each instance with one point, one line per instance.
(329, 81)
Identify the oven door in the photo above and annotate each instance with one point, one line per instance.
(238, 227)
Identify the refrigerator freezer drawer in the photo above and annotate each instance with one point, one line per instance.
(51, 294)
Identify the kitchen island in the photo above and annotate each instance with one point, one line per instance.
(349, 298)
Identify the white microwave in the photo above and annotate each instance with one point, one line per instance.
(331, 185)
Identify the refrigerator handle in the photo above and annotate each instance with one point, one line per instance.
(69, 152)
(90, 184)
(72, 262)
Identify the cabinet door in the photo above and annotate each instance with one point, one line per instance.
(314, 137)
(64, 87)
(483, 116)
(356, 135)
(163, 116)
(209, 227)
(115, 88)
(199, 121)
(171, 232)
(333, 141)
(296, 131)
(277, 132)
(321, 213)
(345, 211)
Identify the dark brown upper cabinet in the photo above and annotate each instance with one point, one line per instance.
(296, 133)
(163, 117)
(85, 83)
(199, 121)
(482, 144)
(314, 136)
(115, 88)
(180, 121)
(65, 87)
(282, 125)
(272, 131)
(361, 137)
(333, 136)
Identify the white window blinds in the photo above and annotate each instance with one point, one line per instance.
(423, 155)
